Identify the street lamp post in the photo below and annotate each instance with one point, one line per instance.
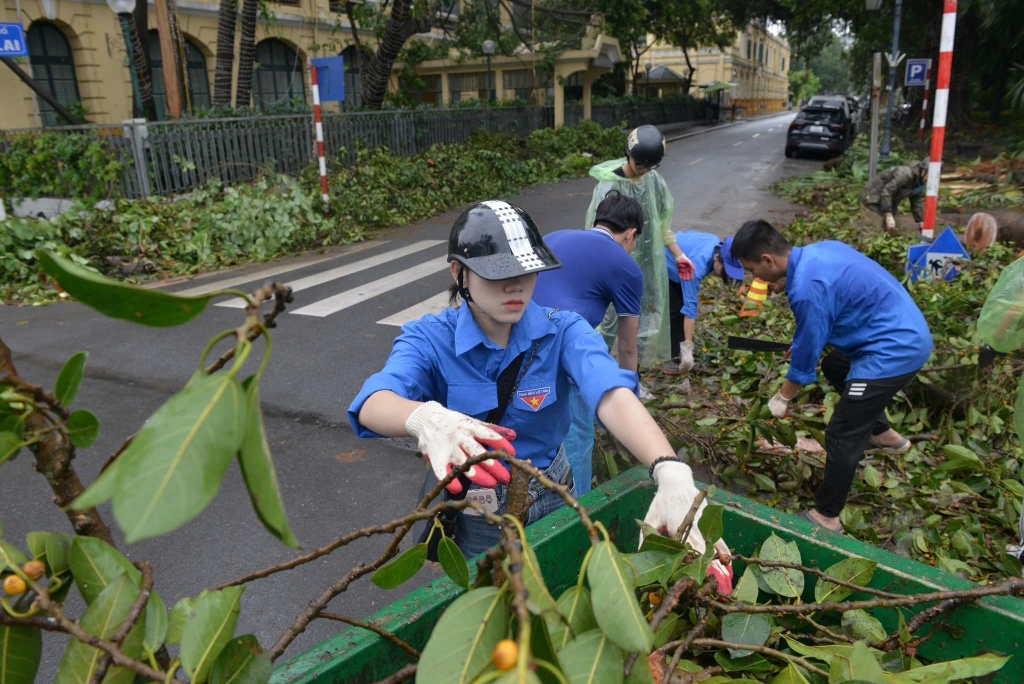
(647, 82)
(488, 49)
(141, 87)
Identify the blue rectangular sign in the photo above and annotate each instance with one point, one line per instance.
(917, 72)
(12, 40)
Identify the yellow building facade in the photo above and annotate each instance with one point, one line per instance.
(758, 62)
(78, 53)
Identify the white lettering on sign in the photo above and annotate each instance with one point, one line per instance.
(11, 45)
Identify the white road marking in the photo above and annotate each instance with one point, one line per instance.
(697, 161)
(738, 143)
(267, 273)
(755, 135)
(357, 295)
(434, 305)
(347, 269)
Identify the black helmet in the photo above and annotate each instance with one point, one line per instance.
(497, 240)
(646, 146)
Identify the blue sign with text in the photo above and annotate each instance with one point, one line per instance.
(917, 72)
(12, 40)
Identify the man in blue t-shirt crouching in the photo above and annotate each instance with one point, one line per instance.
(597, 270)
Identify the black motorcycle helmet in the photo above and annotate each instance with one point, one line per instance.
(497, 240)
(646, 146)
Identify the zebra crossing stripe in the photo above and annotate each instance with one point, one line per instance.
(347, 269)
(434, 305)
(357, 295)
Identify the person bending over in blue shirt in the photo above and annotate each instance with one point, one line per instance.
(709, 254)
(444, 376)
(879, 337)
(597, 270)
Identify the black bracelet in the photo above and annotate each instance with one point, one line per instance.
(662, 459)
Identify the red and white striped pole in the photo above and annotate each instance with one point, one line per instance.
(939, 117)
(924, 104)
(319, 125)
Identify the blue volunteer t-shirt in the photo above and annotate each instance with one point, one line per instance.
(842, 298)
(700, 248)
(596, 271)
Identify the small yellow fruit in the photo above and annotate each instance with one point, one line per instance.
(34, 569)
(15, 586)
(505, 655)
(654, 599)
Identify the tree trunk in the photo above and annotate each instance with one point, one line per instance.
(246, 53)
(959, 113)
(143, 73)
(225, 53)
(43, 95)
(1002, 77)
(400, 28)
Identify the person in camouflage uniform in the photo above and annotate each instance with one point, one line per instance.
(881, 197)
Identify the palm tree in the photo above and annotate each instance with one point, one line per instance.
(246, 53)
(225, 53)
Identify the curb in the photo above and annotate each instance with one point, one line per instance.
(725, 125)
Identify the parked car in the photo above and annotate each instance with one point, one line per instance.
(840, 102)
(822, 129)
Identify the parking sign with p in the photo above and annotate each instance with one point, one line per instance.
(917, 72)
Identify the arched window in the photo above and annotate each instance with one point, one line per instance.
(278, 80)
(53, 67)
(353, 79)
(198, 77)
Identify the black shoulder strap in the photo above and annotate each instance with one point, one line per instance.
(507, 382)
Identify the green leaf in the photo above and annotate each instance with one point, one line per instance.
(783, 581)
(70, 379)
(955, 670)
(746, 588)
(746, 629)
(21, 649)
(156, 623)
(453, 562)
(651, 567)
(103, 618)
(857, 571)
(83, 428)
(258, 470)
(58, 546)
(705, 422)
(958, 458)
(764, 482)
(117, 300)
(96, 564)
(825, 655)
(710, 523)
(208, 629)
(1018, 413)
(174, 466)
(10, 445)
(13, 424)
(861, 625)
(539, 599)
(640, 674)
(176, 622)
(872, 477)
(575, 606)
(860, 666)
(657, 542)
(750, 663)
(665, 630)
(13, 553)
(592, 658)
(791, 675)
(464, 638)
(242, 662)
(543, 649)
(36, 543)
(402, 569)
(615, 606)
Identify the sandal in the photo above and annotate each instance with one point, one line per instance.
(806, 515)
(672, 368)
(896, 449)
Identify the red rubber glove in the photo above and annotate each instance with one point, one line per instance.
(685, 267)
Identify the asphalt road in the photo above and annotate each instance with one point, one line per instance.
(332, 482)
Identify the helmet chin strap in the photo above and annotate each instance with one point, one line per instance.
(463, 290)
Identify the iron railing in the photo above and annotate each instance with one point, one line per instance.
(175, 157)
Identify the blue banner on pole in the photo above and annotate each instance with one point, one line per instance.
(939, 260)
(12, 40)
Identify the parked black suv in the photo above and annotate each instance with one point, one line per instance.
(818, 128)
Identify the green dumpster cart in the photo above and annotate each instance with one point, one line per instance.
(994, 624)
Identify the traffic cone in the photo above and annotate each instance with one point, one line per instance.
(757, 295)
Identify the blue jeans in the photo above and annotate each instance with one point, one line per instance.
(579, 443)
(474, 534)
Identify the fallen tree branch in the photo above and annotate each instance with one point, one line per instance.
(763, 650)
(819, 574)
(672, 598)
(403, 675)
(390, 636)
(129, 621)
(825, 630)
(918, 621)
(562, 491)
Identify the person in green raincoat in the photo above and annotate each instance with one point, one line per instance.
(635, 177)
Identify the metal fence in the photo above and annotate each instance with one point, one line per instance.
(175, 157)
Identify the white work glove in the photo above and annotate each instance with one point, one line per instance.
(673, 500)
(890, 222)
(447, 438)
(778, 405)
(645, 394)
(686, 356)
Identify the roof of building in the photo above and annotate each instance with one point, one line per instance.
(662, 73)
